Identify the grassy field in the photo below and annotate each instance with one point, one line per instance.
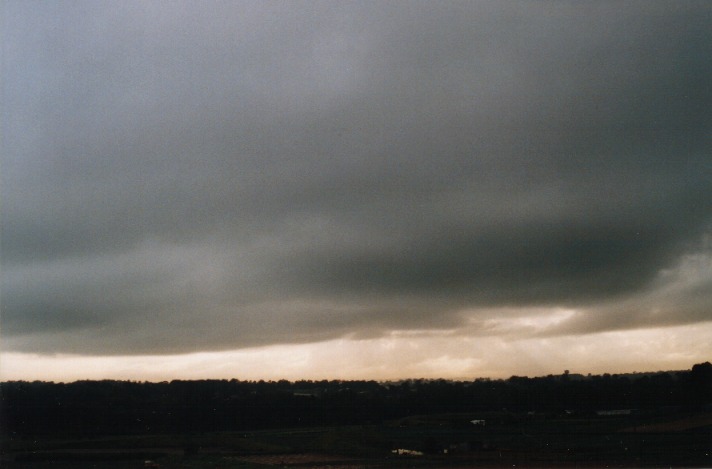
(448, 440)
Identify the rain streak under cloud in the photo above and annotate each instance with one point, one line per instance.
(453, 182)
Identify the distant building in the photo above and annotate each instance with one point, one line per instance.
(407, 452)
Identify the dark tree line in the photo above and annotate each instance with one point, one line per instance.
(89, 408)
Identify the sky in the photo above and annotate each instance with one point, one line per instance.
(354, 190)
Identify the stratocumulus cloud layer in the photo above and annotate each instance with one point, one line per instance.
(183, 177)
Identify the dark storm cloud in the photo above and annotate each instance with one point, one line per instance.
(180, 176)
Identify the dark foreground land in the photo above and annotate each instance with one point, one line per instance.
(642, 420)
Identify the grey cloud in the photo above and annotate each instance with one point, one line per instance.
(178, 177)
(679, 295)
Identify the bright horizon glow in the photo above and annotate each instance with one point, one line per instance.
(400, 356)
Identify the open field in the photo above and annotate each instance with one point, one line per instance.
(447, 441)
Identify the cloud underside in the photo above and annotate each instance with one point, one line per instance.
(182, 178)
